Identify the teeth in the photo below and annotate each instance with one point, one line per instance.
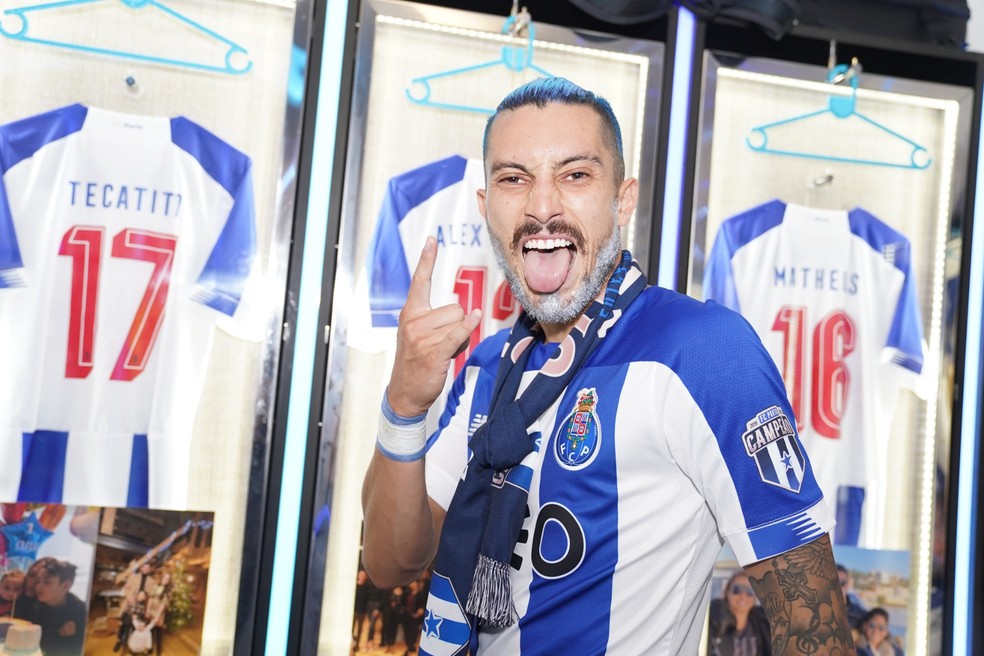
(547, 244)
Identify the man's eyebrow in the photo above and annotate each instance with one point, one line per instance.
(582, 157)
(498, 166)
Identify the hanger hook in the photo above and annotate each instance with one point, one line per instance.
(10, 32)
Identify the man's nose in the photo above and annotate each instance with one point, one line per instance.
(544, 202)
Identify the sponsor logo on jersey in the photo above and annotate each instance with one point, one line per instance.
(770, 439)
(579, 437)
(477, 420)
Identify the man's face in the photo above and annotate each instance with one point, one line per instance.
(31, 581)
(51, 590)
(553, 207)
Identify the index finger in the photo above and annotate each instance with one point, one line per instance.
(418, 296)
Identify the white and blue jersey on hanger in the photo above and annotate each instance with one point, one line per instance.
(438, 199)
(674, 436)
(832, 295)
(122, 239)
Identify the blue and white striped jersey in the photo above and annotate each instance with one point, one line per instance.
(438, 199)
(123, 239)
(675, 435)
(832, 296)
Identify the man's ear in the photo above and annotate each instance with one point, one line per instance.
(628, 195)
(482, 208)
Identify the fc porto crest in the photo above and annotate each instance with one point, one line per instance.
(771, 440)
(579, 437)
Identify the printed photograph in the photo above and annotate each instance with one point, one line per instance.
(876, 588)
(46, 569)
(149, 582)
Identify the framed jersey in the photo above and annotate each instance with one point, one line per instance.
(119, 230)
(412, 170)
(824, 203)
(147, 182)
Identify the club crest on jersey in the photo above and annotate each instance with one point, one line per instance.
(579, 437)
(770, 439)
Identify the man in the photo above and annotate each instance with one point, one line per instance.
(139, 579)
(61, 615)
(854, 607)
(648, 425)
(27, 604)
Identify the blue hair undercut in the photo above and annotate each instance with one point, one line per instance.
(545, 90)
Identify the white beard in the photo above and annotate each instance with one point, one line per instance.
(555, 308)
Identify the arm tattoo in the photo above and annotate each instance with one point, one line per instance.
(801, 595)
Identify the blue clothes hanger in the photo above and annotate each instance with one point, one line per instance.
(229, 66)
(842, 108)
(515, 58)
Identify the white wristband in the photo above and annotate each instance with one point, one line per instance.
(400, 438)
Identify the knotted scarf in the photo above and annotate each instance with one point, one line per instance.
(485, 515)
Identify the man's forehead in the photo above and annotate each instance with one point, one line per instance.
(554, 117)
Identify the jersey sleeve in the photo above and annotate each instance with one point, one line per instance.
(388, 265)
(223, 278)
(719, 277)
(904, 344)
(719, 280)
(20, 140)
(740, 447)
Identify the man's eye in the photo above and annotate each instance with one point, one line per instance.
(577, 175)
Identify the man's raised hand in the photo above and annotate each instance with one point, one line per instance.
(427, 341)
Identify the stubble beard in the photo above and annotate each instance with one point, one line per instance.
(557, 308)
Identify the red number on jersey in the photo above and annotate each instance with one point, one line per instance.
(84, 245)
(469, 287)
(833, 341)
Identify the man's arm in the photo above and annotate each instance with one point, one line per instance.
(402, 524)
(801, 595)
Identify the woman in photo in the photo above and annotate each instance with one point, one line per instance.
(738, 625)
(875, 639)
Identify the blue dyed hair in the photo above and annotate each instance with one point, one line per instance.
(544, 90)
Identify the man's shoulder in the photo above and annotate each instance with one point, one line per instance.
(663, 323)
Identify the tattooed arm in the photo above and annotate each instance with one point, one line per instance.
(801, 595)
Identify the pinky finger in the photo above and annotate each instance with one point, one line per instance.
(460, 335)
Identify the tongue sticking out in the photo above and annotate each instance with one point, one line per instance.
(546, 271)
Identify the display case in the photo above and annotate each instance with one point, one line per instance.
(831, 201)
(149, 156)
(426, 78)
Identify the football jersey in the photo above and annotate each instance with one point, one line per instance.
(122, 239)
(832, 296)
(438, 199)
(674, 435)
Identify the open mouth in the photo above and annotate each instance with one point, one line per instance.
(546, 263)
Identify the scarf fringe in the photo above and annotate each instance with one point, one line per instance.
(490, 598)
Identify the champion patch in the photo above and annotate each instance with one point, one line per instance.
(770, 439)
(579, 437)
